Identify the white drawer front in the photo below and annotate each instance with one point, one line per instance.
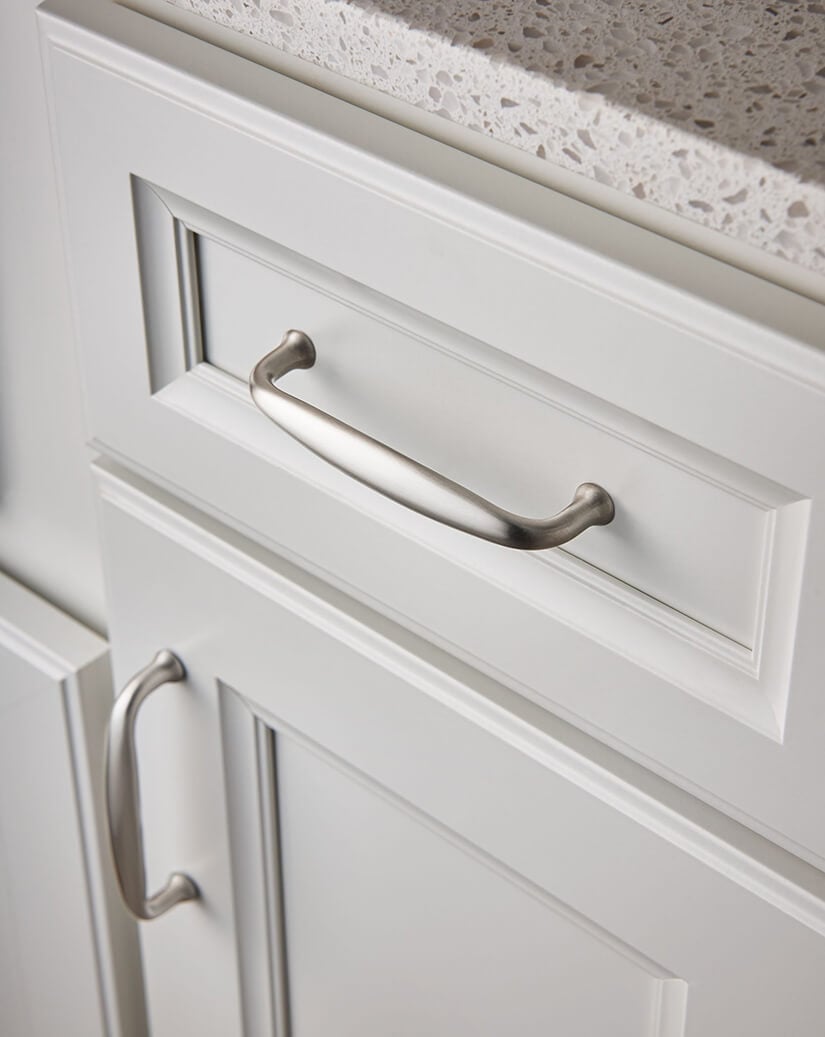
(692, 539)
(680, 581)
(491, 350)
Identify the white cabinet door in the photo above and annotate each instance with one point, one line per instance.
(69, 961)
(386, 842)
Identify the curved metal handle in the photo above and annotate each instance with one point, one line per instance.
(123, 797)
(404, 480)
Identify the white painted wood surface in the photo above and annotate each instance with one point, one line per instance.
(395, 927)
(48, 546)
(453, 859)
(69, 960)
(389, 370)
(720, 386)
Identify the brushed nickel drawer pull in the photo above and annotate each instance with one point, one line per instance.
(123, 797)
(406, 481)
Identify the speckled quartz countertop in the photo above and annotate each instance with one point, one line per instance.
(712, 110)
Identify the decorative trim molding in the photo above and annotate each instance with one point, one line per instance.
(251, 778)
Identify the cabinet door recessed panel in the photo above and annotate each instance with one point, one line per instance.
(393, 928)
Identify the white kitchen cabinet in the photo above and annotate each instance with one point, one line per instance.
(518, 343)
(413, 781)
(381, 846)
(69, 961)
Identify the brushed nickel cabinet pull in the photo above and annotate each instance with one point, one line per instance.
(123, 796)
(406, 481)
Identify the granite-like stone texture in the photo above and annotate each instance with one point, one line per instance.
(714, 110)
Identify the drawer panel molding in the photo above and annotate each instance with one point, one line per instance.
(707, 558)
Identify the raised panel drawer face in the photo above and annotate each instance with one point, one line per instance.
(689, 540)
(687, 572)
(492, 350)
